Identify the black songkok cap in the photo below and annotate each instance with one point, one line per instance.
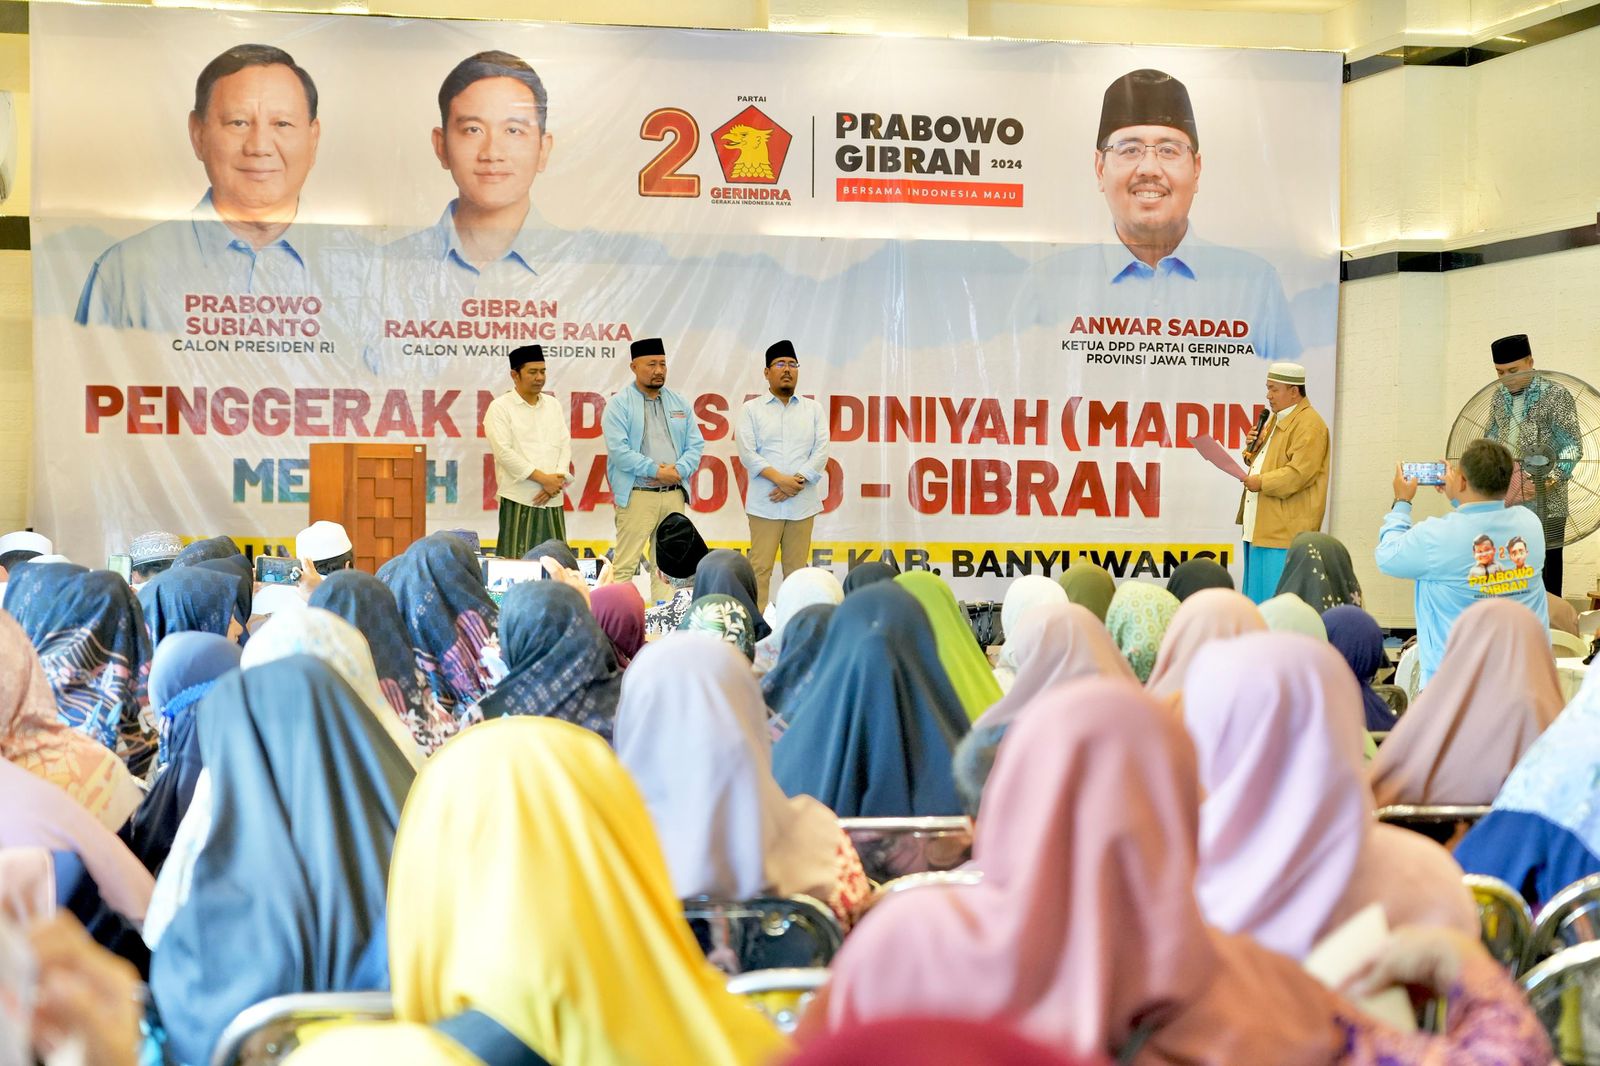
(679, 546)
(646, 346)
(781, 350)
(1510, 349)
(528, 353)
(1147, 98)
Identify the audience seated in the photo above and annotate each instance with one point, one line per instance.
(554, 920)
(558, 550)
(724, 617)
(619, 610)
(1289, 847)
(1022, 596)
(1356, 636)
(560, 663)
(438, 586)
(1207, 615)
(1319, 571)
(1196, 575)
(1288, 613)
(1085, 933)
(692, 731)
(1495, 692)
(1089, 586)
(1544, 831)
(287, 887)
(799, 654)
(1137, 620)
(964, 662)
(873, 734)
(933, 1041)
(677, 551)
(868, 573)
(806, 587)
(725, 572)
(191, 599)
(239, 570)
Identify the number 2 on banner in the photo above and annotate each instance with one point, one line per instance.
(660, 176)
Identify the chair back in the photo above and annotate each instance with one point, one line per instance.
(1504, 918)
(765, 933)
(932, 877)
(893, 847)
(782, 995)
(265, 1034)
(1564, 991)
(1570, 918)
(1394, 696)
(1564, 645)
(1438, 822)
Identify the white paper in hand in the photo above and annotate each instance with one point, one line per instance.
(1343, 952)
(1218, 456)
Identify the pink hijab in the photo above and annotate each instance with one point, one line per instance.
(1496, 690)
(35, 813)
(620, 611)
(1085, 925)
(32, 737)
(1210, 614)
(1055, 643)
(1287, 845)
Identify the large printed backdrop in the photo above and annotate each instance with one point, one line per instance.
(932, 236)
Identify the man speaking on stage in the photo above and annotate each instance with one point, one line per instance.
(1286, 490)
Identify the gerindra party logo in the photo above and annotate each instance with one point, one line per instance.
(751, 148)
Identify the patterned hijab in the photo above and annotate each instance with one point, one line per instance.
(619, 609)
(32, 737)
(201, 550)
(723, 616)
(90, 635)
(963, 660)
(1555, 779)
(728, 573)
(238, 568)
(1318, 570)
(561, 663)
(189, 599)
(438, 586)
(1138, 619)
(366, 603)
(1090, 586)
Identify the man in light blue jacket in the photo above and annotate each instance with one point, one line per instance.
(653, 446)
(1482, 548)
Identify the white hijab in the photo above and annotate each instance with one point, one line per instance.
(691, 729)
(1024, 595)
(804, 588)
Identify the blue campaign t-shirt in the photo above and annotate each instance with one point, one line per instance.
(1477, 551)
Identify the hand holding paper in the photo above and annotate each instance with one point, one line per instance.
(1218, 456)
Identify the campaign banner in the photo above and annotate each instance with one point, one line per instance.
(1020, 278)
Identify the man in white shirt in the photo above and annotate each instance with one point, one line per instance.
(532, 445)
(783, 443)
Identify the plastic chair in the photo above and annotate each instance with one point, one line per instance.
(1394, 696)
(782, 995)
(765, 933)
(267, 1032)
(1436, 822)
(1504, 918)
(893, 847)
(1564, 991)
(1566, 646)
(932, 877)
(1570, 918)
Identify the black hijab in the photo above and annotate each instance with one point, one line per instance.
(558, 550)
(1197, 574)
(562, 664)
(863, 574)
(202, 550)
(189, 599)
(797, 655)
(449, 616)
(729, 573)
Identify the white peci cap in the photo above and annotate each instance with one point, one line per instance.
(1287, 373)
(321, 541)
(276, 599)
(24, 540)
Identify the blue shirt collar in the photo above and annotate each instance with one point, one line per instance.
(1120, 263)
(215, 238)
(522, 250)
(1482, 505)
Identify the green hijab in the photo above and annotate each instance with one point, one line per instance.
(1288, 613)
(1138, 618)
(959, 653)
(1089, 586)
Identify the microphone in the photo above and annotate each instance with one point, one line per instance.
(1261, 423)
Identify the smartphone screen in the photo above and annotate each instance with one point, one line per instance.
(1424, 473)
(122, 565)
(590, 569)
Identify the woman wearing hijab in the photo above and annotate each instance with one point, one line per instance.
(1208, 614)
(90, 635)
(573, 945)
(1288, 613)
(1495, 692)
(872, 734)
(1319, 571)
(1089, 586)
(559, 550)
(191, 599)
(449, 616)
(726, 572)
(692, 730)
(308, 784)
(1289, 848)
(1197, 574)
(619, 611)
(91, 872)
(368, 605)
(238, 568)
(1356, 635)
(798, 657)
(862, 575)
(1085, 933)
(185, 667)
(33, 738)
(561, 665)
(1022, 596)
(1544, 831)
(806, 587)
(202, 550)
(1060, 643)
(963, 660)
(725, 618)
(1138, 619)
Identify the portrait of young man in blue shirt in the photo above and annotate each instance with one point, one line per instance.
(1482, 548)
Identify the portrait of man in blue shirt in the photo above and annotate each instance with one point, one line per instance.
(254, 129)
